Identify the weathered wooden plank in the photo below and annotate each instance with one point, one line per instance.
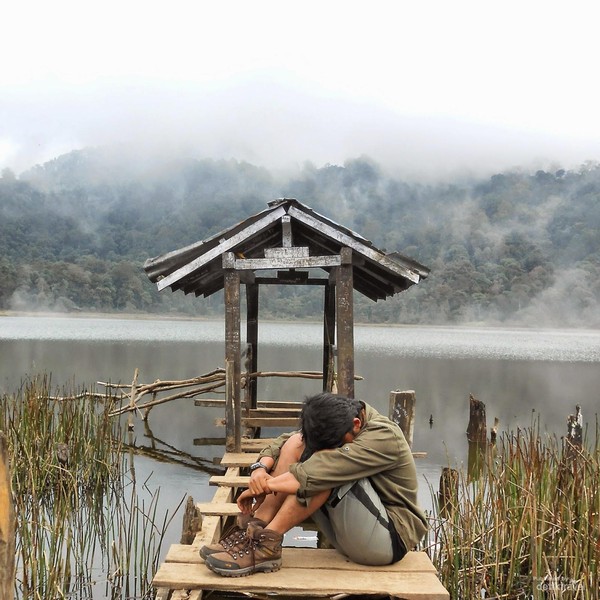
(209, 441)
(251, 390)
(287, 262)
(232, 358)
(251, 445)
(287, 240)
(245, 459)
(227, 509)
(345, 324)
(292, 251)
(328, 336)
(239, 459)
(291, 413)
(224, 246)
(212, 524)
(316, 558)
(264, 404)
(294, 582)
(291, 422)
(346, 240)
(229, 481)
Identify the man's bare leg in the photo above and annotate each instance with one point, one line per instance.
(292, 513)
(282, 511)
(290, 453)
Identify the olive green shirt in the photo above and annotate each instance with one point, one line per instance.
(380, 452)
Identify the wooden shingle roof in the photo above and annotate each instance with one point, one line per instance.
(288, 235)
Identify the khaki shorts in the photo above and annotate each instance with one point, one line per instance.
(356, 523)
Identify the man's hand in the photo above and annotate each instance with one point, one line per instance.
(259, 482)
(248, 501)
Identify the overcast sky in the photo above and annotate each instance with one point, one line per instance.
(419, 86)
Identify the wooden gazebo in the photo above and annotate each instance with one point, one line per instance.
(288, 243)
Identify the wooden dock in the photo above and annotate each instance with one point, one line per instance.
(305, 572)
(286, 244)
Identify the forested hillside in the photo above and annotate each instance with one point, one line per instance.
(517, 248)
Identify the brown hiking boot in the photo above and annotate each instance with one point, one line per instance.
(233, 538)
(260, 552)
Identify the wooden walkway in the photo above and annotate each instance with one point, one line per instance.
(305, 572)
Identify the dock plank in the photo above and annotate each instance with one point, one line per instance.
(229, 480)
(294, 582)
(227, 509)
(315, 558)
(245, 459)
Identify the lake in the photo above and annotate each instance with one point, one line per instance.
(519, 374)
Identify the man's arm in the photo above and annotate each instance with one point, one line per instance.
(285, 483)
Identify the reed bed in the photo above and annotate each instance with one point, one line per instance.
(523, 521)
(85, 527)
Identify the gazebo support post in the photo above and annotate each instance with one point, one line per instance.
(345, 324)
(233, 411)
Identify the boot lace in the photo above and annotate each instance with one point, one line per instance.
(248, 547)
(233, 540)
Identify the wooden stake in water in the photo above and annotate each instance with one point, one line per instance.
(7, 527)
(477, 428)
(402, 412)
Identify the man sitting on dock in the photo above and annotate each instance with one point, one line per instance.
(350, 469)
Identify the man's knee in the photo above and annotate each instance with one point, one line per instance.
(292, 448)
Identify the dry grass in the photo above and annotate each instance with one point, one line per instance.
(524, 522)
(82, 521)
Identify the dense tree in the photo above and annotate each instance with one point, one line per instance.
(517, 247)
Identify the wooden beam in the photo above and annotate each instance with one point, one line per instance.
(230, 481)
(261, 422)
(227, 509)
(317, 558)
(232, 356)
(345, 324)
(328, 336)
(295, 582)
(220, 402)
(292, 413)
(224, 246)
(287, 262)
(359, 247)
(256, 445)
(252, 341)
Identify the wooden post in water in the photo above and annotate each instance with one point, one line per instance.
(477, 428)
(7, 526)
(448, 494)
(402, 412)
(192, 522)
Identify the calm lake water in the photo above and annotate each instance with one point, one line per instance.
(517, 373)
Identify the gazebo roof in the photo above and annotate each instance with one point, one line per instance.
(288, 235)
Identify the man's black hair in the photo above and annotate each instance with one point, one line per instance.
(325, 419)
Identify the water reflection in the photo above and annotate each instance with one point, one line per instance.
(516, 373)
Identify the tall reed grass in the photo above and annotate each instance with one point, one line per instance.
(523, 522)
(85, 528)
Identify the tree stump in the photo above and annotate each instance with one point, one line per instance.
(477, 428)
(192, 522)
(448, 492)
(402, 412)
